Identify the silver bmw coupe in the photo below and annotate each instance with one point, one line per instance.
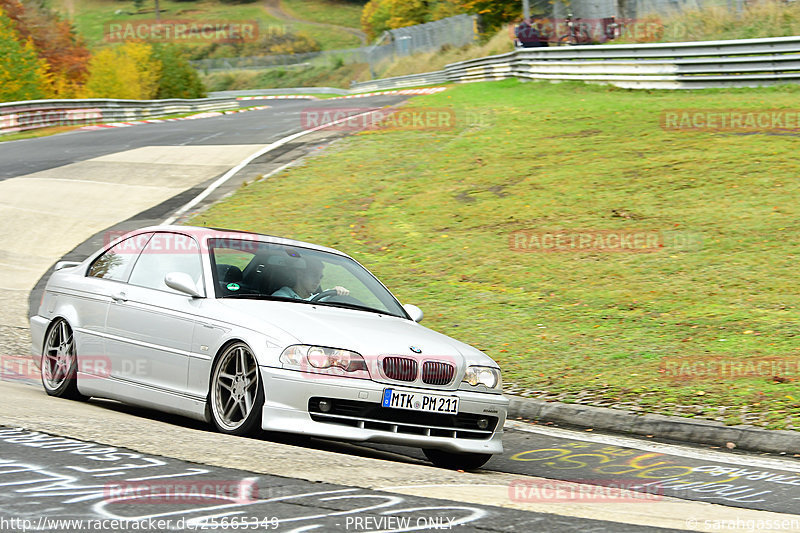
(251, 332)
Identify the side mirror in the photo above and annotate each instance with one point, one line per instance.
(414, 312)
(182, 282)
(65, 264)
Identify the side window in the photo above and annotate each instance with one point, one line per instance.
(165, 253)
(117, 262)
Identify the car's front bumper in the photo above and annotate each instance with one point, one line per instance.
(286, 408)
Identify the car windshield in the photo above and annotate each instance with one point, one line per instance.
(250, 269)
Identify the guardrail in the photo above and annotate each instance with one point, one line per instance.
(687, 65)
(32, 114)
(428, 78)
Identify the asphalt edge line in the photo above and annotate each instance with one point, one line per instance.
(176, 218)
(246, 161)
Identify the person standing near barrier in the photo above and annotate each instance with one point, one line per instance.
(521, 32)
(527, 35)
(541, 35)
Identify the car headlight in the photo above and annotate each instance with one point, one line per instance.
(487, 376)
(318, 359)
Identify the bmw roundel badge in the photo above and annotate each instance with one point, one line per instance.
(415, 349)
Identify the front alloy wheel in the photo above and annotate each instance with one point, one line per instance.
(59, 364)
(236, 392)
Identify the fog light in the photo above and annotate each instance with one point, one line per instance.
(325, 406)
(483, 423)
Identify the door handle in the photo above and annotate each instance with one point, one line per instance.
(119, 297)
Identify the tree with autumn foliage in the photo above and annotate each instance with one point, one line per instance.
(23, 75)
(178, 78)
(129, 71)
(446, 8)
(382, 15)
(55, 42)
(494, 13)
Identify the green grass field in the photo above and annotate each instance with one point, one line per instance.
(315, 76)
(757, 19)
(339, 12)
(327, 37)
(91, 17)
(431, 213)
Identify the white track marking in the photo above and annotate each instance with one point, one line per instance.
(232, 172)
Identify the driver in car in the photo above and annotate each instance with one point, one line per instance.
(307, 281)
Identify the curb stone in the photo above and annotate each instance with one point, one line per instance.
(205, 114)
(677, 428)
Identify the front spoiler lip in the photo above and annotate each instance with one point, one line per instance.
(290, 421)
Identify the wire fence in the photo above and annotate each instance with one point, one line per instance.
(455, 31)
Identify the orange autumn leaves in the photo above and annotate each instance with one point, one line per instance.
(42, 56)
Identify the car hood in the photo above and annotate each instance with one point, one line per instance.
(367, 333)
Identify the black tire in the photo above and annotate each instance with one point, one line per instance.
(235, 383)
(59, 362)
(456, 461)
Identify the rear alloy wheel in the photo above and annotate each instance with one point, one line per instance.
(59, 364)
(236, 392)
(456, 461)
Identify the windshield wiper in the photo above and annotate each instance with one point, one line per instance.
(343, 305)
(251, 296)
(354, 306)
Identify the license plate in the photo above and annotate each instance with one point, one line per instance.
(416, 401)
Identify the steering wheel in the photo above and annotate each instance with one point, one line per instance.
(324, 294)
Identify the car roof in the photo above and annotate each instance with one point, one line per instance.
(200, 233)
